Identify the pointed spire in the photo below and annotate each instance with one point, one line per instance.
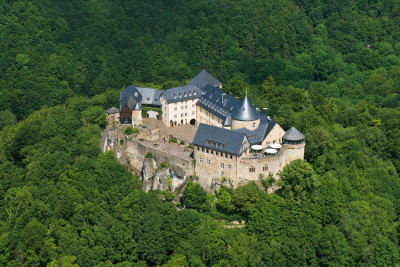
(137, 106)
(246, 111)
(227, 121)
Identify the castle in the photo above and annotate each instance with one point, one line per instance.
(235, 142)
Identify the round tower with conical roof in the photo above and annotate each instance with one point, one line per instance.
(294, 141)
(137, 114)
(245, 116)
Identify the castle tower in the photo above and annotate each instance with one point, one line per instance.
(137, 114)
(245, 116)
(294, 141)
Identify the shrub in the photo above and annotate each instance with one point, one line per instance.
(182, 142)
(149, 155)
(121, 141)
(173, 139)
(130, 130)
(191, 146)
(164, 164)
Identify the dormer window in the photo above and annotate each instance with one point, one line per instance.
(174, 96)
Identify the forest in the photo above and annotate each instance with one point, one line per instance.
(329, 68)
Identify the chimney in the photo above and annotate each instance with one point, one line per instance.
(265, 111)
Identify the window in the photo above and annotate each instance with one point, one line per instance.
(231, 156)
(192, 105)
(192, 112)
(226, 155)
(175, 116)
(274, 142)
(252, 169)
(207, 150)
(201, 160)
(186, 107)
(181, 114)
(181, 107)
(212, 152)
(222, 154)
(208, 162)
(265, 168)
(216, 153)
(185, 114)
(229, 167)
(254, 125)
(198, 148)
(202, 149)
(268, 143)
(175, 108)
(222, 165)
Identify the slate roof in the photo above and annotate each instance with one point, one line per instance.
(150, 96)
(293, 135)
(137, 106)
(204, 78)
(217, 102)
(219, 139)
(246, 111)
(112, 110)
(183, 93)
(129, 101)
(258, 135)
(130, 90)
(227, 121)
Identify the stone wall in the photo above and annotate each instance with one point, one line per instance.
(213, 169)
(136, 152)
(249, 169)
(251, 125)
(294, 152)
(275, 135)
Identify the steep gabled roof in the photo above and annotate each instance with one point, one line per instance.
(131, 90)
(150, 96)
(204, 78)
(258, 135)
(129, 101)
(183, 93)
(217, 102)
(219, 139)
(246, 111)
(293, 135)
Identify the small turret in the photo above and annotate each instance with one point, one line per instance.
(294, 141)
(137, 114)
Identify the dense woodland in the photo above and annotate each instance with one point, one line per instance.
(329, 68)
